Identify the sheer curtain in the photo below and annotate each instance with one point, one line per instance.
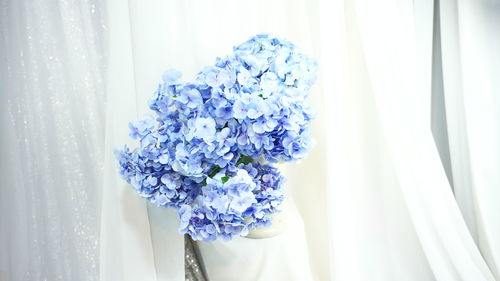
(395, 216)
(52, 106)
(469, 38)
(403, 183)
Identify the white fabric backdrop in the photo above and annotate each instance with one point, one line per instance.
(52, 105)
(74, 73)
(388, 166)
(470, 40)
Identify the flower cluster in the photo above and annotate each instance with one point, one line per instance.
(203, 152)
(231, 206)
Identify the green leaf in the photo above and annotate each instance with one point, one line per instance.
(214, 171)
(244, 160)
(224, 179)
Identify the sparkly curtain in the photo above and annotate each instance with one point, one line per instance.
(51, 145)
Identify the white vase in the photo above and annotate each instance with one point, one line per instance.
(278, 226)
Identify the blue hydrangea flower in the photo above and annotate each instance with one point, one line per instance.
(171, 76)
(191, 98)
(141, 127)
(232, 207)
(197, 155)
(205, 129)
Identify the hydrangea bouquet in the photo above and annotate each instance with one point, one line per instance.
(208, 150)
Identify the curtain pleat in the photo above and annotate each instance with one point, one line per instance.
(469, 39)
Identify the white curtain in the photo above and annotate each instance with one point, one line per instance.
(403, 184)
(395, 217)
(470, 40)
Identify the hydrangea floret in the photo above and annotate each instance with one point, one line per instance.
(209, 149)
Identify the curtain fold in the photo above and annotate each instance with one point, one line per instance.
(392, 64)
(129, 242)
(470, 66)
(373, 237)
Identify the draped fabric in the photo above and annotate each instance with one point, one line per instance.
(469, 38)
(395, 215)
(402, 184)
(52, 112)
